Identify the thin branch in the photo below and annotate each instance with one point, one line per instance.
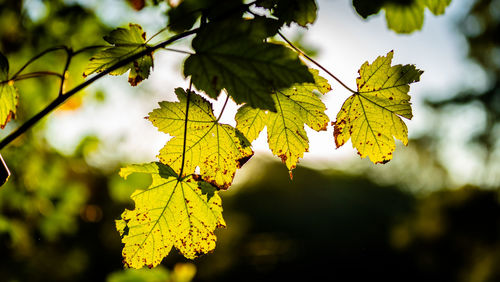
(314, 62)
(36, 58)
(185, 130)
(223, 108)
(33, 74)
(69, 56)
(61, 99)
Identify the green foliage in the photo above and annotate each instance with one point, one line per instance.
(402, 16)
(371, 116)
(275, 88)
(171, 212)
(238, 61)
(303, 12)
(185, 15)
(126, 42)
(8, 93)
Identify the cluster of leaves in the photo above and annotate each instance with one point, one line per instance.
(233, 52)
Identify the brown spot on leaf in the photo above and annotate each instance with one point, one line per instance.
(243, 160)
(10, 116)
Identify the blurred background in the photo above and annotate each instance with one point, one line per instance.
(431, 214)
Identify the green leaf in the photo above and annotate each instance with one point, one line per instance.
(126, 42)
(403, 16)
(217, 149)
(296, 106)
(240, 62)
(372, 116)
(170, 213)
(437, 7)
(9, 96)
(302, 12)
(184, 16)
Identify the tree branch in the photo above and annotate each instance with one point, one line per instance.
(62, 98)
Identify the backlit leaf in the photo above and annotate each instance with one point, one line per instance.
(239, 61)
(405, 18)
(437, 7)
(8, 94)
(126, 42)
(402, 16)
(296, 106)
(217, 149)
(170, 213)
(372, 116)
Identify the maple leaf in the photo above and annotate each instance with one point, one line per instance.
(371, 116)
(238, 61)
(172, 212)
(8, 94)
(296, 106)
(217, 149)
(126, 42)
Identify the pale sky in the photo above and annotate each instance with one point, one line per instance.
(345, 42)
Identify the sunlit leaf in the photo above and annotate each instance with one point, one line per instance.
(437, 7)
(8, 94)
(405, 18)
(217, 149)
(296, 106)
(170, 213)
(126, 42)
(372, 116)
(239, 61)
(402, 16)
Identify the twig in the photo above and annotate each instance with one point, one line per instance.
(61, 99)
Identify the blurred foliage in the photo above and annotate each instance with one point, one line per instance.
(481, 27)
(57, 213)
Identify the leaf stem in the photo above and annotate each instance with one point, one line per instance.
(178, 51)
(223, 108)
(61, 99)
(156, 34)
(32, 75)
(69, 56)
(185, 130)
(315, 62)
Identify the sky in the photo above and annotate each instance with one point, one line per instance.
(345, 42)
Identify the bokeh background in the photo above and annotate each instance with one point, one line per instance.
(431, 214)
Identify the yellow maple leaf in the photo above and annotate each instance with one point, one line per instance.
(295, 107)
(372, 116)
(217, 149)
(172, 212)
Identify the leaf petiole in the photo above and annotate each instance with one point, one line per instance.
(315, 62)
